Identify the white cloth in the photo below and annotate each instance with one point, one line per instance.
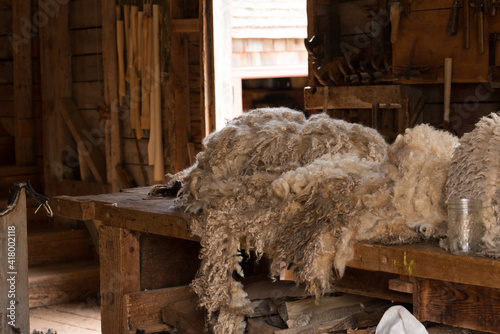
(397, 320)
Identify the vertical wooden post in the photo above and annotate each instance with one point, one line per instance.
(207, 53)
(119, 258)
(56, 82)
(14, 308)
(23, 86)
(222, 60)
(109, 63)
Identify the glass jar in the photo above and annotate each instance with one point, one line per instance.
(465, 226)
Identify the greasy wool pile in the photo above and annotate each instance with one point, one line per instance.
(303, 191)
(475, 174)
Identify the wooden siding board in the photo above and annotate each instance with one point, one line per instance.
(86, 41)
(85, 14)
(87, 68)
(88, 95)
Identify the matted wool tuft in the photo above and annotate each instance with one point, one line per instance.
(302, 191)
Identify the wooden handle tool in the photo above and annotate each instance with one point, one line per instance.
(395, 12)
(466, 24)
(452, 27)
(447, 89)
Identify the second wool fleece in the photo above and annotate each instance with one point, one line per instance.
(474, 173)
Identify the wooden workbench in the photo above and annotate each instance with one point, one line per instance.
(444, 288)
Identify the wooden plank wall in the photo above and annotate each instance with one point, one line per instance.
(85, 73)
(86, 67)
(23, 128)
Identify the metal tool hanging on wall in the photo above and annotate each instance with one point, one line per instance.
(481, 9)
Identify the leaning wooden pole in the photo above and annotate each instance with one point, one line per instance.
(159, 167)
(109, 62)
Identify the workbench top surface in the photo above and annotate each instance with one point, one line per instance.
(134, 210)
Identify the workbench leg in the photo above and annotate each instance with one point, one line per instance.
(119, 257)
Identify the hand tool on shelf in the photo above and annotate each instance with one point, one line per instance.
(411, 71)
(447, 89)
(395, 16)
(466, 24)
(493, 69)
(481, 6)
(452, 27)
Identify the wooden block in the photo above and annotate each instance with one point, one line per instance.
(401, 286)
(185, 315)
(370, 283)
(143, 309)
(460, 305)
(329, 308)
(260, 326)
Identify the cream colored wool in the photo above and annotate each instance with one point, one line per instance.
(475, 173)
(303, 191)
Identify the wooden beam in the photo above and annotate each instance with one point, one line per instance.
(460, 305)
(23, 86)
(207, 70)
(350, 97)
(110, 70)
(426, 260)
(180, 112)
(120, 274)
(14, 308)
(77, 125)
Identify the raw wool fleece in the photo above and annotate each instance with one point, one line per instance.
(475, 173)
(303, 191)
